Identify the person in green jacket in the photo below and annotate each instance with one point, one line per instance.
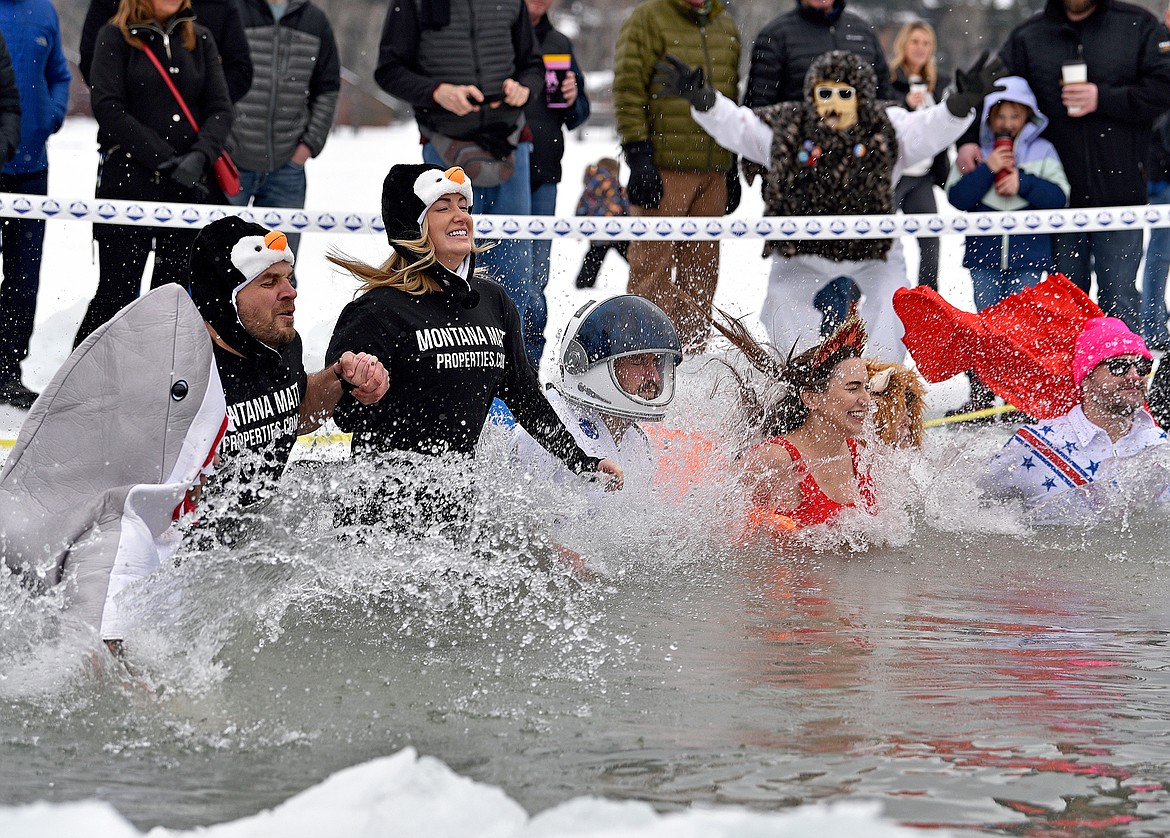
(676, 169)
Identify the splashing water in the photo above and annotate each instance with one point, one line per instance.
(555, 640)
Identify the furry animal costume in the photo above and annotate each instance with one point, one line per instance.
(818, 170)
(812, 169)
(898, 393)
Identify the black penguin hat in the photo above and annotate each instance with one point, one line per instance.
(408, 192)
(227, 254)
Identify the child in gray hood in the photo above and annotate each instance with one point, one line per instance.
(1020, 171)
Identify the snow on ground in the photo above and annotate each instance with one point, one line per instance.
(404, 794)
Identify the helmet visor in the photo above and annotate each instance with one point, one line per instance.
(626, 325)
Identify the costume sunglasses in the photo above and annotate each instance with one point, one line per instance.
(1120, 366)
(827, 93)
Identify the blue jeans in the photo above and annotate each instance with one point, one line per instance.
(991, 285)
(283, 188)
(510, 261)
(544, 202)
(22, 243)
(1154, 280)
(1114, 258)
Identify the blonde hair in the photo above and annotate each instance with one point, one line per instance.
(930, 71)
(135, 12)
(406, 275)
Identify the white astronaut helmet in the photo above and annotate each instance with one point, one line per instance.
(604, 332)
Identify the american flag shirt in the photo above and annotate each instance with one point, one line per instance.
(1067, 470)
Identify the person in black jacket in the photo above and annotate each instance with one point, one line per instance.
(449, 337)
(1154, 330)
(468, 68)
(562, 103)
(150, 151)
(285, 118)
(787, 46)
(1101, 129)
(783, 51)
(219, 17)
(9, 107)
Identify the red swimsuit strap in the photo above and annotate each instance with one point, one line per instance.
(792, 450)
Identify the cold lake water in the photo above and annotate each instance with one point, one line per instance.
(962, 670)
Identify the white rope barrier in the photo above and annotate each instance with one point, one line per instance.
(194, 216)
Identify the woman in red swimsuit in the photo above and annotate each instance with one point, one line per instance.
(806, 470)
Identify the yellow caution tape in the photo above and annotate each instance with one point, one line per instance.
(313, 440)
(969, 417)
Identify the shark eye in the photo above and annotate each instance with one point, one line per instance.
(179, 390)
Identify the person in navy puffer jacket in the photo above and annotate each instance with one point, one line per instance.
(33, 35)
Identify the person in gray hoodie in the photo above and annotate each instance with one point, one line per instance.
(1020, 170)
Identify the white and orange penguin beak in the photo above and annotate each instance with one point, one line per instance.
(432, 185)
(253, 255)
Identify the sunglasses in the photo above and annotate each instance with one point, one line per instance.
(827, 93)
(1120, 366)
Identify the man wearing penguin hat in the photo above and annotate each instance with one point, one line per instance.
(241, 282)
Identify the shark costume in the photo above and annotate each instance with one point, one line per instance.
(103, 462)
(837, 152)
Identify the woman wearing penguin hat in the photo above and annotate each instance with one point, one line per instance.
(449, 337)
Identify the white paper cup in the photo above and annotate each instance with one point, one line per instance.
(1074, 72)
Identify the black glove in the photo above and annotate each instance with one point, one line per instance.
(645, 186)
(679, 79)
(734, 188)
(974, 83)
(187, 170)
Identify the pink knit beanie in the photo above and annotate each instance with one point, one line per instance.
(1103, 338)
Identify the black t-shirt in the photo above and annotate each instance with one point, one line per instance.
(264, 397)
(446, 364)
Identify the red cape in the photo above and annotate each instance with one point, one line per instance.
(1021, 347)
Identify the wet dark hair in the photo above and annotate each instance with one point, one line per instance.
(776, 408)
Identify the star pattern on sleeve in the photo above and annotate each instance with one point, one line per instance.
(1046, 429)
(1050, 483)
(1027, 463)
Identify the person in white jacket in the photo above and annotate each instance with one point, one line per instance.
(615, 368)
(1071, 468)
(837, 152)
